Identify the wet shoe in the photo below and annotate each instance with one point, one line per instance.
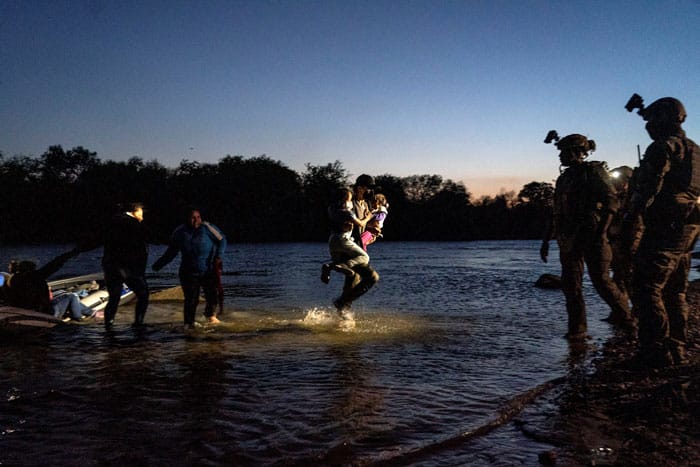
(326, 273)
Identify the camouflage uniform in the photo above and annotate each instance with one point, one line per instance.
(584, 200)
(665, 194)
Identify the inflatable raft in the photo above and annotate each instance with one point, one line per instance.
(90, 288)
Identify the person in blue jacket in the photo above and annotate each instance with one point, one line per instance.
(201, 246)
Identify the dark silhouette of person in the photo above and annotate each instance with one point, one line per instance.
(26, 286)
(124, 261)
(584, 204)
(665, 195)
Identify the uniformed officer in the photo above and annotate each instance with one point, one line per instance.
(584, 204)
(665, 195)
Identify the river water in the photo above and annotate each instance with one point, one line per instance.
(451, 334)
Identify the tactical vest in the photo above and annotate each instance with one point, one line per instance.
(675, 204)
(683, 176)
(580, 197)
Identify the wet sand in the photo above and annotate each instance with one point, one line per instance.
(634, 417)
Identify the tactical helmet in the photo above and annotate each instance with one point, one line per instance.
(665, 109)
(576, 141)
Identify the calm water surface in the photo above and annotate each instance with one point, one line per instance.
(450, 335)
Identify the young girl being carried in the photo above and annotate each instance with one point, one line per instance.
(373, 229)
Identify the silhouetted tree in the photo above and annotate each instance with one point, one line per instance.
(537, 194)
(421, 188)
(532, 214)
(62, 195)
(320, 183)
(261, 196)
(60, 166)
(23, 205)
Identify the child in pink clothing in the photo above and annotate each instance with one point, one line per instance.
(374, 226)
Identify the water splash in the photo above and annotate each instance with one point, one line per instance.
(318, 316)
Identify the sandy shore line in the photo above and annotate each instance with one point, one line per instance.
(631, 417)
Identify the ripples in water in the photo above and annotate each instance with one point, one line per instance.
(450, 335)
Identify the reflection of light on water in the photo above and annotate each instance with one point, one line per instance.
(368, 324)
(290, 325)
(323, 317)
(320, 317)
(450, 332)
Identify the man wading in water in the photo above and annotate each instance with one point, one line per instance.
(361, 276)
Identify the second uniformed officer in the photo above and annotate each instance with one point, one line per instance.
(665, 195)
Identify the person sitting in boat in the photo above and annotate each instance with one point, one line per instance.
(26, 287)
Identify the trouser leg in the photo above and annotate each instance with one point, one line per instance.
(345, 251)
(114, 278)
(572, 286)
(677, 308)
(60, 305)
(209, 286)
(368, 277)
(652, 271)
(598, 259)
(190, 287)
(75, 307)
(139, 286)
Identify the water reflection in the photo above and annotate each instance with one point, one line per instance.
(450, 335)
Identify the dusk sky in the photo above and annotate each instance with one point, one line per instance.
(463, 89)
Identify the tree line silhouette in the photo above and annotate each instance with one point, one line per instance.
(65, 196)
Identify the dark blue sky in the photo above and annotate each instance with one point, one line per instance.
(467, 90)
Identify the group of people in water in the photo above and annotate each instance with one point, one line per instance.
(642, 225)
(356, 220)
(645, 230)
(200, 244)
